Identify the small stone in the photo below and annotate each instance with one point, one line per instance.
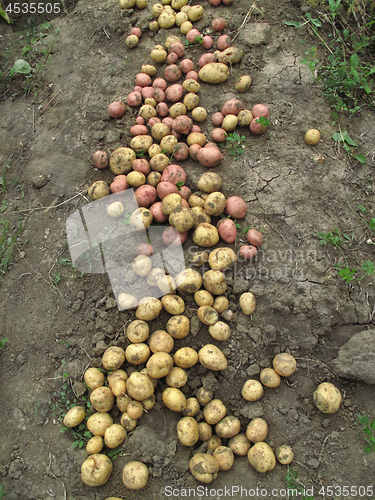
(240, 286)
(195, 326)
(313, 463)
(100, 323)
(253, 370)
(255, 334)
(110, 303)
(100, 348)
(81, 295)
(76, 305)
(195, 383)
(252, 410)
(40, 181)
(325, 423)
(79, 388)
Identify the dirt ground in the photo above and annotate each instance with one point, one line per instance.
(59, 322)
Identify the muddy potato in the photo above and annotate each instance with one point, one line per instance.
(224, 457)
(312, 137)
(261, 457)
(178, 326)
(139, 386)
(195, 13)
(173, 304)
(113, 358)
(243, 83)
(327, 398)
(204, 395)
(168, 144)
(219, 331)
(222, 258)
(127, 301)
(121, 159)
(187, 431)
(94, 378)
(177, 109)
(221, 304)
(137, 354)
(199, 259)
(212, 358)
(214, 73)
(192, 408)
(148, 308)
(94, 445)
(135, 475)
(284, 454)
(199, 114)
(186, 357)
(196, 200)
(142, 142)
(114, 435)
(166, 284)
(284, 364)
(204, 467)
(128, 423)
(257, 430)
(205, 235)
(191, 85)
(137, 331)
(154, 381)
(239, 444)
(214, 411)
(102, 399)
(161, 341)
(96, 470)
(231, 55)
(270, 378)
(98, 190)
(74, 417)
(207, 315)
(203, 298)
(122, 402)
(181, 218)
(245, 117)
(210, 182)
(214, 282)
(229, 123)
(158, 131)
(98, 423)
(189, 280)
(247, 303)
(213, 443)
(177, 377)
(135, 410)
(174, 399)
(170, 202)
(159, 365)
(205, 431)
(215, 203)
(228, 427)
(252, 390)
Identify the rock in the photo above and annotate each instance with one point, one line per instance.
(81, 295)
(100, 348)
(356, 358)
(195, 326)
(110, 303)
(79, 388)
(325, 423)
(40, 181)
(313, 463)
(253, 370)
(240, 286)
(100, 323)
(255, 334)
(210, 382)
(143, 443)
(76, 305)
(15, 469)
(252, 410)
(256, 34)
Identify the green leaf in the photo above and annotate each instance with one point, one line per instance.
(367, 88)
(354, 60)
(360, 158)
(20, 66)
(349, 140)
(293, 23)
(345, 34)
(362, 209)
(4, 15)
(317, 23)
(371, 224)
(367, 449)
(368, 267)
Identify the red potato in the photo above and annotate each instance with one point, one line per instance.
(145, 195)
(147, 92)
(236, 207)
(160, 83)
(227, 230)
(139, 120)
(256, 128)
(137, 88)
(138, 130)
(116, 109)
(177, 48)
(172, 58)
(193, 151)
(100, 159)
(176, 134)
(193, 75)
(192, 34)
(223, 42)
(136, 31)
(219, 24)
(182, 124)
(184, 203)
(164, 188)
(184, 192)
(173, 174)
(145, 249)
(153, 121)
(218, 135)
(181, 151)
(255, 237)
(157, 213)
(162, 109)
(172, 73)
(159, 94)
(247, 252)
(214, 3)
(217, 118)
(206, 59)
(141, 165)
(232, 107)
(195, 128)
(260, 110)
(187, 65)
(171, 237)
(119, 184)
(207, 42)
(174, 92)
(142, 79)
(168, 120)
(209, 156)
(134, 99)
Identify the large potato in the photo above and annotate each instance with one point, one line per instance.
(186, 357)
(222, 258)
(135, 475)
(215, 203)
(187, 431)
(228, 427)
(182, 218)
(174, 399)
(94, 378)
(207, 315)
(252, 390)
(284, 364)
(327, 398)
(219, 331)
(261, 457)
(209, 182)
(173, 304)
(212, 358)
(96, 470)
(224, 457)
(113, 358)
(189, 280)
(214, 282)
(178, 326)
(120, 161)
(139, 386)
(102, 399)
(137, 354)
(141, 142)
(137, 331)
(240, 445)
(98, 423)
(74, 416)
(114, 436)
(177, 377)
(159, 365)
(214, 73)
(231, 55)
(148, 309)
(247, 303)
(204, 467)
(214, 411)
(257, 430)
(206, 235)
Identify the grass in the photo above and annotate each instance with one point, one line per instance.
(234, 144)
(292, 484)
(2, 492)
(368, 432)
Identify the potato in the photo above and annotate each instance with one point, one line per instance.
(205, 431)
(181, 153)
(102, 399)
(149, 403)
(94, 445)
(188, 280)
(94, 378)
(229, 123)
(116, 109)
(121, 159)
(219, 135)
(214, 282)
(166, 20)
(247, 303)
(221, 304)
(159, 365)
(170, 202)
(261, 457)
(214, 411)
(177, 377)
(119, 184)
(113, 358)
(145, 196)
(205, 235)
(204, 467)
(181, 17)
(182, 124)
(158, 131)
(257, 430)
(98, 423)
(146, 112)
(209, 156)
(187, 431)
(158, 54)
(174, 399)
(139, 386)
(284, 454)
(115, 209)
(96, 470)
(209, 182)
(178, 327)
(136, 179)
(137, 354)
(191, 101)
(214, 73)
(135, 410)
(199, 259)
(227, 230)
(197, 199)
(222, 258)
(228, 427)
(166, 284)
(212, 358)
(128, 423)
(236, 207)
(192, 408)
(154, 26)
(126, 4)
(154, 150)
(155, 274)
(98, 190)
(122, 402)
(239, 444)
(213, 443)
(327, 398)
(186, 357)
(75, 416)
(196, 138)
(142, 265)
(219, 331)
(168, 144)
(164, 189)
(173, 304)
(149, 69)
(204, 395)
(215, 203)
(284, 364)
(203, 298)
(118, 387)
(137, 331)
(185, 27)
(114, 436)
(161, 341)
(181, 218)
(231, 55)
(135, 475)
(199, 114)
(252, 390)
(243, 83)
(207, 315)
(191, 86)
(245, 117)
(148, 309)
(224, 457)
(312, 137)
(195, 13)
(256, 127)
(172, 72)
(115, 376)
(141, 219)
(270, 378)
(127, 301)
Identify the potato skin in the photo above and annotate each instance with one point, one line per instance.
(228, 427)
(178, 326)
(327, 398)
(204, 467)
(214, 282)
(206, 235)
(135, 475)
(261, 457)
(102, 399)
(222, 258)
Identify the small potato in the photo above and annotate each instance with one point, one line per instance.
(74, 417)
(199, 114)
(189, 280)
(284, 454)
(270, 378)
(114, 436)
(261, 457)
(210, 182)
(240, 445)
(229, 123)
(113, 358)
(132, 41)
(174, 399)
(214, 411)
(257, 430)
(135, 410)
(118, 387)
(169, 144)
(254, 237)
(128, 423)
(135, 475)
(139, 386)
(209, 156)
(98, 423)
(191, 101)
(187, 431)
(214, 282)
(94, 378)
(181, 218)
(178, 327)
(221, 304)
(96, 470)
(212, 358)
(159, 130)
(228, 427)
(205, 235)
(159, 162)
(126, 4)
(148, 309)
(102, 399)
(252, 390)
(137, 331)
(137, 354)
(284, 364)
(191, 85)
(243, 83)
(215, 203)
(186, 357)
(122, 402)
(245, 117)
(149, 69)
(177, 377)
(219, 331)
(213, 443)
(196, 138)
(312, 137)
(142, 265)
(236, 207)
(136, 179)
(203, 298)
(247, 303)
(192, 408)
(161, 341)
(155, 274)
(222, 258)
(327, 398)
(205, 431)
(158, 54)
(173, 304)
(159, 365)
(94, 445)
(199, 259)
(224, 457)
(149, 403)
(207, 315)
(117, 375)
(98, 190)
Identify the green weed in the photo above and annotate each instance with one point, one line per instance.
(294, 490)
(368, 432)
(234, 144)
(179, 185)
(3, 341)
(2, 492)
(307, 19)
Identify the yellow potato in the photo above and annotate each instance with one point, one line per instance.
(173, 304)
(252, 390)
(284, 364)
(214, 411)
(247, 303)
(240, 445)
(75, 416)
(113, 358)
(102, 399)
(128, 423)
(96, 470)
(142, 142)
(270, 378)
(139, 386)
(94, 378)
(120, 161)
(204, 467)
(178, 326)
(214, 281)
(187, 431)
(213, 72)
(205, 431)
(210, 182)
(221, 304)
(312, 137)
(189, 280)
(219, 331)
(222, 258)
(137, 331)
(186, 357)
(98, 423)
(203, 298)
(205, 235)
(135, 475)
(204, 395)
(215, 203)
(212, 358)
(159, 365)
(243, 83)
(127, 301)
(327, 398)
(161, 341)
(192, 407)
(177, 377)
(284, 454)
(137, 354)
(148, 309)
(199, 114)
(257, 430)
(224, 457)
(228, 427)
(114, 436)
(174, 399)
(207, 315)
(98, 190)
(261, 457)
(94, 445)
